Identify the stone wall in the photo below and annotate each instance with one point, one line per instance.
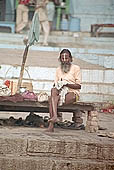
(92, 12)
(97, 85)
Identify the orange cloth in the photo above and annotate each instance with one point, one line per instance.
(72, 77)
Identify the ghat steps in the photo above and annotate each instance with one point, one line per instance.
(96, 62)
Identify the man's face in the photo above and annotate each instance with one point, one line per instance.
(65, 58)
(65, 62)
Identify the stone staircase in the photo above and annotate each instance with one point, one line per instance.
(25, 148)
(95, 56)
(30, 148)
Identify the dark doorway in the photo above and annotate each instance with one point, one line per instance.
(2, 9)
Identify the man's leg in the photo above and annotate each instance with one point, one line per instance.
(18, 17)
(50, 107)
(22, 17)
(70, 98)
(77, 116)
(51, 124)
(53, 102)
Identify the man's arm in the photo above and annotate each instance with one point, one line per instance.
(77, 76)
(73, 86)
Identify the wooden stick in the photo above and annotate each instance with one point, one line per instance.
(22, 68)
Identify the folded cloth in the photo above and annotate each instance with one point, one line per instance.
(34, 32)
(13, 98)
(59, 85)
(5, 91)
(63, 90)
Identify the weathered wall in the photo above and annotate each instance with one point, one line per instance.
(92, 12)
(97, 85)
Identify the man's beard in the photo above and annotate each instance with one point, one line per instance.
(65, 67)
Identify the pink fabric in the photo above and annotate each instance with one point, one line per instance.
(29, 96)
(13, 98)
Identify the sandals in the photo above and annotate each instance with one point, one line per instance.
(106, 134)
(69, 125)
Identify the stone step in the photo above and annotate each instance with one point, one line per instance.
(77, 38)
(44, 163)
(72, 39)
(30, 148)
(41, 63)
(97, 85)
(104, 58)
(93, 50)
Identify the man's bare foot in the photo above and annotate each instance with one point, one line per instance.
(53, 120)
(50, 128)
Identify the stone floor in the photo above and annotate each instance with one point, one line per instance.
(24, 148)
(106, 120)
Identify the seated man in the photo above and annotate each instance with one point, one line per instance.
(66, 88)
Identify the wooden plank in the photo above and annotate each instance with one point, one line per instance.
(31, 106)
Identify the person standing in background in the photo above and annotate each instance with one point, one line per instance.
(22, 15)
(43, 18)
(50, 12)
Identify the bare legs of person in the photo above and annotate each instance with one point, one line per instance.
(21, 17)
(53, 102)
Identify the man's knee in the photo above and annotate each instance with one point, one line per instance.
(54, 92)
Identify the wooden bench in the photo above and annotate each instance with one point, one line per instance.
(31, 106)
(96, 29)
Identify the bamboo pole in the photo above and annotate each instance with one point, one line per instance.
(22, 68)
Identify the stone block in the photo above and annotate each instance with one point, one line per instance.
(91, 128)
(105, 152)
(41, 73)
(109, 76)
(12, 146)
(109, 61)
(92, 76)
